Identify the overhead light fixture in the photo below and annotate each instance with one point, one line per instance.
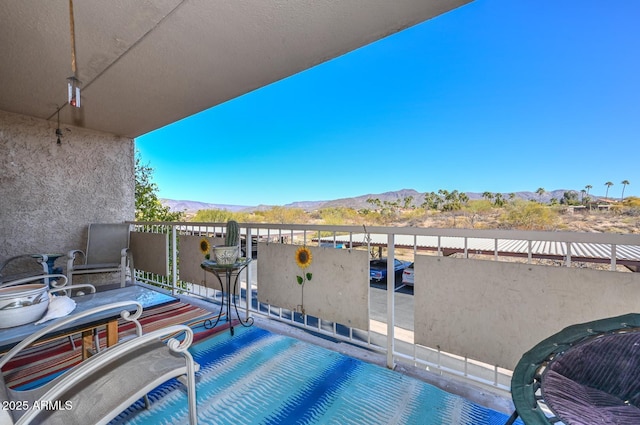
(73, 84)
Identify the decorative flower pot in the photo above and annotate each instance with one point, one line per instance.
(22, 304)
(226, 254)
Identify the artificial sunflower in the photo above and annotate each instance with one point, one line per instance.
(204, 246)
(303, 257)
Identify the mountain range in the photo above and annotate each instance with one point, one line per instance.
(357, 202)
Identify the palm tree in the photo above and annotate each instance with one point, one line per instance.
(608, 184)
(540, 192)
(588, 198)
(624, 184)
(406, 202)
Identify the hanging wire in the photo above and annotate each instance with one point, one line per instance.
(58, 131)
(73, 39)
(73, 84)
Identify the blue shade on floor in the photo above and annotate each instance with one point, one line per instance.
(258, 377)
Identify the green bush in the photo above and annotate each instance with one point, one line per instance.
(529, 216)
(339, 215)
(213, 216)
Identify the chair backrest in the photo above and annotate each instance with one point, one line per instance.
(105, 242)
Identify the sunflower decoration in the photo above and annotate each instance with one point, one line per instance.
(304, 258)
(205, 248)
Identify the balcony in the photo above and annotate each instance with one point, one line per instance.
(472, 312)
(480, 298)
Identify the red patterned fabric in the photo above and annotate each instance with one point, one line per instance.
(50, 358)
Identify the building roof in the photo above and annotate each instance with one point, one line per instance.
(578, 251)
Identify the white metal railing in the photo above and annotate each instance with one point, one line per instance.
(567, 248)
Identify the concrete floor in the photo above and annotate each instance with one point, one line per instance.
(497, 400)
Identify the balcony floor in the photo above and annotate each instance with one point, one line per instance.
(276, 373)
(441, 395)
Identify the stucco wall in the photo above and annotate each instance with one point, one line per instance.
(49, 193)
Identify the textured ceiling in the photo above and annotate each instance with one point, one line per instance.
(145, 64)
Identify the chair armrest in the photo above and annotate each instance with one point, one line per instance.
(8, 260)
(119, 351)
(53, 277)
(67, 289)
(5, 263)
(70, 319)
(71, 255)
(125, 253)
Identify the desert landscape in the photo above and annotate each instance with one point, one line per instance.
(624, 220)
(523, 211)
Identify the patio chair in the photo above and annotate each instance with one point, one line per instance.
(101, 387)
(107, 252)
(53, 280)
(586, 373)
(23, 266)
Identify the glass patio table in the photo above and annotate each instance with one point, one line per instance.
(230, 272)
(146, 297)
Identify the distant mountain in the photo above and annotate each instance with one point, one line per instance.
(193, 206)
(357, 202)
(361, 201)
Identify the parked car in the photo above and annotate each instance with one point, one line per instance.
(378, 268)
(254, 247)
(407, 275)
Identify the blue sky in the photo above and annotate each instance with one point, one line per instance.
(498, 95)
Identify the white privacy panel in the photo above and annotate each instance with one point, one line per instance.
(338, 291)
(150, 252)
(496, 311)
(191, 257)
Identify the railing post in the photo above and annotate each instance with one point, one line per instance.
(249, 275)
(466, 247)
(613, 257)
(391, 286)
(174, 259)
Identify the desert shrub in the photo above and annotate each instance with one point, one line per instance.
(338, 215)
(414, 215)
(213, 216)
(631, 201)
(373, 218)
(244, 217)
(282, 215)
(631, 212)
(529, 216)
(631, 206)
(479, 206)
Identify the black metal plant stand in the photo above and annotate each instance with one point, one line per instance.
(231, 272)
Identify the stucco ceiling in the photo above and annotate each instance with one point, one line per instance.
(147, 63)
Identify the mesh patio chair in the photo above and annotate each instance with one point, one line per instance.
(101, 387)
(107, 252)
(585, 374)
(24, 265)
